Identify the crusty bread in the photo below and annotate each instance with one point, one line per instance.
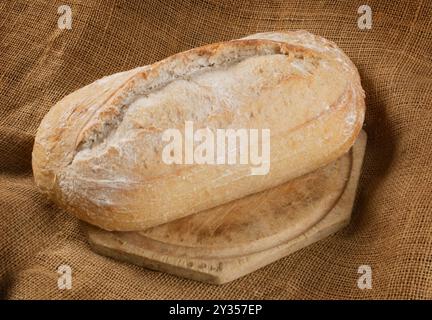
(97, 153)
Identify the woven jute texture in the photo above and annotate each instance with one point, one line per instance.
(391, 229)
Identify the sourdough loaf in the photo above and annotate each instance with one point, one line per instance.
(98, 151)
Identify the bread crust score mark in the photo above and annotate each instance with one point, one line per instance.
(210, 56)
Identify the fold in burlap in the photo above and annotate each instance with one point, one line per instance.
(391, 229)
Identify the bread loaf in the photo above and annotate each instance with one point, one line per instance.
(98, 153)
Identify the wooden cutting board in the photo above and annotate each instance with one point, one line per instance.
(232, 240)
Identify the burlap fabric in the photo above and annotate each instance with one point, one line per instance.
(391, 229)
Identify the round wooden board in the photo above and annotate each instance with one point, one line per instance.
(226, 242)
